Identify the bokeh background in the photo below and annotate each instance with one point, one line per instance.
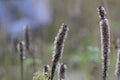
(82, 52)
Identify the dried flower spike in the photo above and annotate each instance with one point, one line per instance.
(101, 12)
(27, 44)
(105, 40)
(58, 47)
(21, 48)
(62, 71)
(27, 37)
(117, 72)
(46, 70)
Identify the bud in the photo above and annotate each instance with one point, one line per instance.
(62, 71)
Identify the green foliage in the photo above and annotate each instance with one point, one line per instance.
(29, 62)
(40, 76)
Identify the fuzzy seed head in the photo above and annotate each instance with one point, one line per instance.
(62, 71)
(21, 47)
(105, 40)
(101, 12)
(27, 37)
(46, 68)
(117, 72)
(58, 48)
(59, 42)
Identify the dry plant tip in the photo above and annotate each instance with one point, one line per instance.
(101, 12)
(27, 37)
(62, 71)
(21, 47)
(46, 68)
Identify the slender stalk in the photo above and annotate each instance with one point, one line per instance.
(21, 69)
(34, 65)
(20, 47)
(105, 40)
(33, 58)
(58, 48)
(27, 44)
(61, 72)
(27, 37)
(117, 72)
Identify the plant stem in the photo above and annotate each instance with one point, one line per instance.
(20, 48)
(21, 69)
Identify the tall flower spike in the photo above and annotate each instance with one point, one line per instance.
(117, 72)
(21, 47)
(27, 37)
(62, 71)
(27, 44)
(58, 47)
(105, 40)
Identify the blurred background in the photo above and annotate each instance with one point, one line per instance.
(82, 52)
